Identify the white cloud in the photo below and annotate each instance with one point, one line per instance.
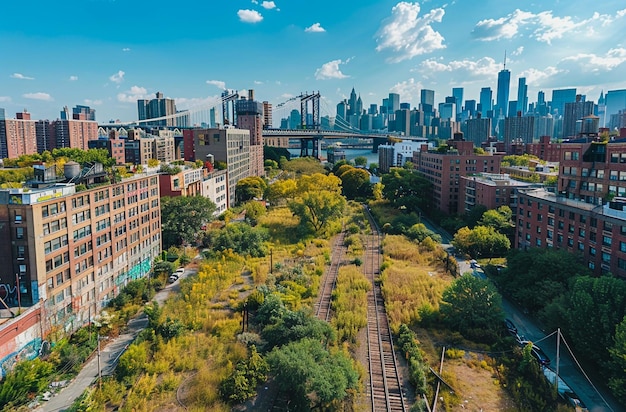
(518, 51)
(543, 26)
(5, 99)
(186, 103)
(408, 35)
(21, 76)
(408, 89)
(217, 83)
(269, 5)
(38, 96)
(287, 95)
(117, 77)
(249, 16)
(331, 70)
(73, 78)
(126, 49)
(590, 62)
(131, 96)
(258, 82)
(255, 2)
(540, 78)
(93, 102)
(483, 67)
(315, 28)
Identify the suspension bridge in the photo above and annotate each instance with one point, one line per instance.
(307, 117)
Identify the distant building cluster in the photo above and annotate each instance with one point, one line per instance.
(566, 115)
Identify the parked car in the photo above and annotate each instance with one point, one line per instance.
(180, 271)
(537, 353)
(173, 278)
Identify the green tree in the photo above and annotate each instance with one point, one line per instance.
(536, 277)
(318, 208)
(25, 380)
(360, 161)
(472, 217)
(501, 219)
(617, 381)
(319, 182)
(473, 306)
(281, 191)
(481, 241)
(254, 210)
(419, 232)
(599, 304)
(182, 217)
(303, 166)
(84, 156)
(250, 188)
(407, 189)
(241, 238)
(242, 382)
(132, 362)
(356, 183)
(312, 376)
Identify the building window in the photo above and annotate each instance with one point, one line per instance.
(19, 233)
(622, 246)
(606, 240)
(581, 233)
(592, 251)
(18, 217)
(608, 226)
(550, 209)
(606, 257)
(582, 219)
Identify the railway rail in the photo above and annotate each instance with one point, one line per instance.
(385, 389)
(323, 305)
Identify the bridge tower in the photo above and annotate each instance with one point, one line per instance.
(312, 100)
(229, 100)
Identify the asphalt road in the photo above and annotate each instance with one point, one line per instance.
(111, 350)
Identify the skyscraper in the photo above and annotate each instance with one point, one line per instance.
(615, 101)
(504, 82)
(394, 102)
(573, 113)
(352, 103)
(155, 108)
(457, 93)
(522, 95)
(486, 101)
(427, 97)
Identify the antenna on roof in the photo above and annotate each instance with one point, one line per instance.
(504, 59)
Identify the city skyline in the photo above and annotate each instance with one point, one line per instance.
(108, 54)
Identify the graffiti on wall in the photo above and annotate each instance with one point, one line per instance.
(29, 351)
(8, 293)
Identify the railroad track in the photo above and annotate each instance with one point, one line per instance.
(385, 383)
(322, 307)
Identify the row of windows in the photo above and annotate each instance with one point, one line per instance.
(54, 226)
(52, 209)
(54, 244)
(57, 261)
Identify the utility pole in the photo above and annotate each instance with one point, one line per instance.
(18, 291)
(99, 369)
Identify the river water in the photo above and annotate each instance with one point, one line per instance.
(350, 154)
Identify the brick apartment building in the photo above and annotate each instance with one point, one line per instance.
(489, 190)
(445, 169)
(228, 145)
(73, 250)
(596, 232)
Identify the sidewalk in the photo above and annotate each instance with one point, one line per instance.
(109, 356)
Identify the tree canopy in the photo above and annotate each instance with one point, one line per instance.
(473, 306)
(314, 377)
(407, 189)
(249, 188)
(355, 183)
(182, 217)
(482, 241)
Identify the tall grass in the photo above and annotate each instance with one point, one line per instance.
(350, 303)
(412, 282)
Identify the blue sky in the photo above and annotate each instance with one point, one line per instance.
(109, 53)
